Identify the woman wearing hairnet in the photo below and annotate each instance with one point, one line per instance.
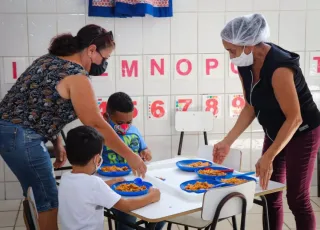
(278, 96)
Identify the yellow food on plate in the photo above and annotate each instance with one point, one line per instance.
(211, 172)
(130, 188)
(198, 164)
(114, 168)
(234, 180)
(198, 185)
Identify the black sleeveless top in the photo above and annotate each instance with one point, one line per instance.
(33, 101)
(261, 96)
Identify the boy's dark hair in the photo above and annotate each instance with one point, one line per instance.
(120, 102)
(82, 144)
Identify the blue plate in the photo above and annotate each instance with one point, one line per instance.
(140, 193)
(183, 165)
(114, 174)
(202, 176)
(240, 177)
(214, 182)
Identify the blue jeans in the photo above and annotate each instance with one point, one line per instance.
(26, 155)
(131, 219)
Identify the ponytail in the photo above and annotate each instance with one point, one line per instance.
(64, 45)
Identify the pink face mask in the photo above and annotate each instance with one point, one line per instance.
(122, 129)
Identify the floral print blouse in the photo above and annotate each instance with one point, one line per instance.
(33, 101)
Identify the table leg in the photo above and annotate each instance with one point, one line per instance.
(265, 213)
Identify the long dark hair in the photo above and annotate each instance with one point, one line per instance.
(66, 44)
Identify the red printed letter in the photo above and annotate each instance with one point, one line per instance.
(179, 65)
(318, 63)
(154, 65)
(14, 70)
(234, 69)
(127, 71)
(211, 64)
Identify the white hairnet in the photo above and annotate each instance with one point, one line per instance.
(248, 30)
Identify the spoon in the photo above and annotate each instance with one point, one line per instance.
(138, 181)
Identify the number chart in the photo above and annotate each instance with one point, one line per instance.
(158, 108)
(236, 104)
(212, 103)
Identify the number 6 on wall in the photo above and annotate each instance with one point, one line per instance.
(157, 108)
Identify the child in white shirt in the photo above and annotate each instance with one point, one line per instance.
(82, 195)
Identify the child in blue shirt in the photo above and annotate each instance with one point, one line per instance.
(119, 114)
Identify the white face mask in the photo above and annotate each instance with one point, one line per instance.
(99, 164)
(243, 59)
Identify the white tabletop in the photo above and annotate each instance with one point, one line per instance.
(175, 202)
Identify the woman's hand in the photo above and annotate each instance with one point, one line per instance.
(137, 165)
(264, 170)
(220, 151)
(60, 154)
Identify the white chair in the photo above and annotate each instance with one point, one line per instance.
(219, 204)
(233, 160)
(30, 211)
(193, 122)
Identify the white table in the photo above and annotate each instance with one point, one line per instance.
(174, 202)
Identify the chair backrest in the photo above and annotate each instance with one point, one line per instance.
(233, 160)
(33, 209)
(196, 121)
(233, 207)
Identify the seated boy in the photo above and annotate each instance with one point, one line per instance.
(119, 114)
(82, 195)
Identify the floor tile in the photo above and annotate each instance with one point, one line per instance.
(20, 220)
(7, 219)
(314, 191)
(9, 205)
(316, 200)
(8, 228)
(256, 209)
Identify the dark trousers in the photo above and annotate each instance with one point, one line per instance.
(294, 165)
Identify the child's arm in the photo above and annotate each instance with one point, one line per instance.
(146, 155)
(144, 152)
(133, 204)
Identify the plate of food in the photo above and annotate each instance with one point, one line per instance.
(213, 172)
(131, 188)
(114, 170)
(235, 180)
(199, 186)
(192, 165)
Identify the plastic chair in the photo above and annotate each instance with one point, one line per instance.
(30, 211)
(193, 122)
(219, 204)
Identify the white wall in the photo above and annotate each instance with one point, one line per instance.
(191, 37)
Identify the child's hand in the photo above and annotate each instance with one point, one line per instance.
(146, 155)
(154, 194)
(114, 181)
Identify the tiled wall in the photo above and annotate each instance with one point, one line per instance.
(190, 62)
